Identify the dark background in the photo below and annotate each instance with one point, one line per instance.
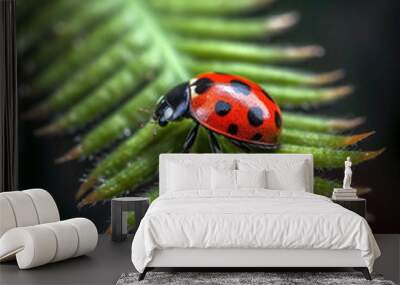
(360, 36)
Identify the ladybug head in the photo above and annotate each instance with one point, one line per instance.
(173, 106)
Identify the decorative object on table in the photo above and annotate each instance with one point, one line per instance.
(119, 215)
(357, 205)
(347, 192)
(344, 194)
(31, 231)
(249, 278)
(347, 174)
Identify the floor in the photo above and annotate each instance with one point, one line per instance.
(389, 263)
(104, 266)
(110, 260)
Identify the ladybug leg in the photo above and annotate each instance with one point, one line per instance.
(190, 138)
(241, 145)
(264, 147)
(214, 143)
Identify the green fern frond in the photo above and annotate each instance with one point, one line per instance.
(114, 59)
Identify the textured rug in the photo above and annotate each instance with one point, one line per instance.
(243, 278)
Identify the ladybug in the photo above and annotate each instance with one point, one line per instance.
(226, 104)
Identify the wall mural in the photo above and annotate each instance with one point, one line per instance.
(96, 70)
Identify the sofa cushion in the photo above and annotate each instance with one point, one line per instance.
(7, 218)
(26, 208)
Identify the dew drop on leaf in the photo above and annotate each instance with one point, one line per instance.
(127, 132)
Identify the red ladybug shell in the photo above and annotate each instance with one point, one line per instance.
(235, 107)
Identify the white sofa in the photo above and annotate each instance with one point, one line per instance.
(31, 231)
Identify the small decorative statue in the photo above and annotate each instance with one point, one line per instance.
(347, 174)
(346, 192)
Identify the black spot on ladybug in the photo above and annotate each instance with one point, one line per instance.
(240, 87)
(222, 108)
(255, 116)
(202, 85)
(278, 120)
(257, 137)
(233, 129)
(267, 95)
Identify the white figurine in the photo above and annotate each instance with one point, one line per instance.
(347, 174)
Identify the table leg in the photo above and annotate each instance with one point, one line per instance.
(116, 221)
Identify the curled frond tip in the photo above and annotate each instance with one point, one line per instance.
(85, 187)
(51, 129)
(283, 21)
(72, 154)
(357, 138)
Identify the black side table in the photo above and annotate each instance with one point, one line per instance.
(358, 206)
(119, 214)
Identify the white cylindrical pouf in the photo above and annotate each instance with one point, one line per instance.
(87, 234)
(23, 208)
(34, 246)
(67, 240)
(31, 232)
(40, 244)
(45, 205)
(7, 218)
